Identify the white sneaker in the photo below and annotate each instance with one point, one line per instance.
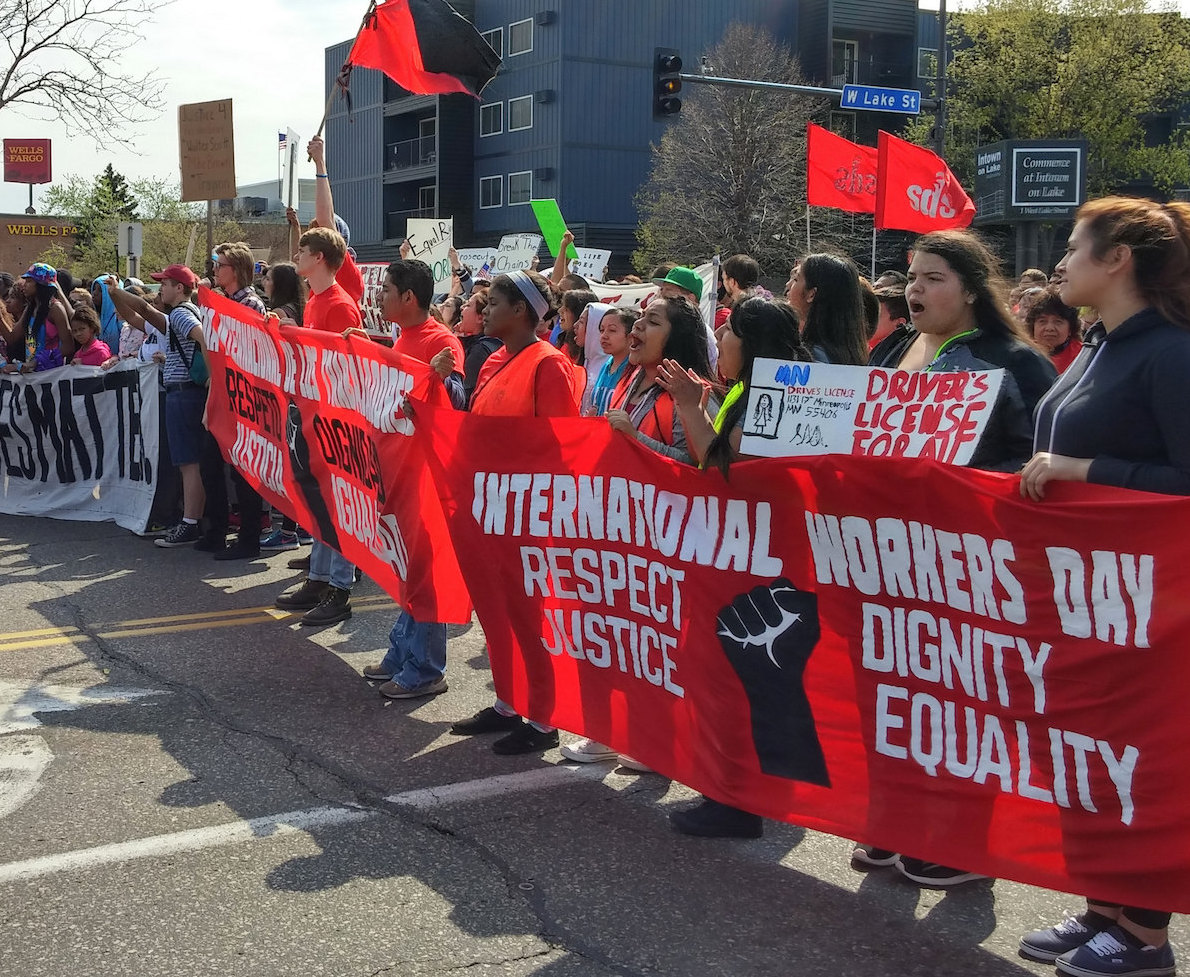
(627, 761)
(588, 750)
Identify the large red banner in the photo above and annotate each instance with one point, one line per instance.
(315, 422)
(27, 161)
(892, 650)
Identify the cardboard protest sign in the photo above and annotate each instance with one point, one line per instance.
(549, 219)
(821, 409)
(516, 252)
(591, 263)
(430, 240)
(206, 137)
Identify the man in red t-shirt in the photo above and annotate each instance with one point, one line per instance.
(325, 595)
(415, 665)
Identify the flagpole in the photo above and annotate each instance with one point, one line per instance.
(335, 85)
(873, 250)
(807, 228)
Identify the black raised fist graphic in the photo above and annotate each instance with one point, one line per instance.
(768, 635)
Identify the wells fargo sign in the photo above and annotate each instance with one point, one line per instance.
(27, 161)
(41, 230)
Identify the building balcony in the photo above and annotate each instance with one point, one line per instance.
(411, 153)
(394, 221)
(870, 72)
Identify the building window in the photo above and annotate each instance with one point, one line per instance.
(927, 62)
(843, 124)
(520, 37)
(491, 119)
(491, 192)
(844, 60)
(520, 113)
(495, 39)
(427, 197)
(520, 187)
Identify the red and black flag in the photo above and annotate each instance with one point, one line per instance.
(425, 46)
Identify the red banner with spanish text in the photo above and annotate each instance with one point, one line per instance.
(839, 173)
(892, 650)
(315, 423)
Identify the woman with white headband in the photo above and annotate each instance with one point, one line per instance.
(526, 378)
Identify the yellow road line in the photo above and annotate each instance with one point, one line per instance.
(174, 624)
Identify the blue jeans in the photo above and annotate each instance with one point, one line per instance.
(416, 652)
(327, 566)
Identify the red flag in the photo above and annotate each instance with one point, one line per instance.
(916, 190)
(839, 173)
(425, 46)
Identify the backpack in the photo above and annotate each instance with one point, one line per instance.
(196, 367)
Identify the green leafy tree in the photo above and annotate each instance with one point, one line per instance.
(1099, 70)
(171, 227)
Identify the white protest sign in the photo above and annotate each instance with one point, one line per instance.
(821, 409)
(476, 258)
(430, 240)
(91, 439)
(628, 296)
(289, 169)
(591, 263)
(516, 252)
(370, 305)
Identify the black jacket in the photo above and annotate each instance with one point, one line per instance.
(1006, 443)
(1125, 403)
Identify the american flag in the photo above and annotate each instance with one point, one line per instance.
(281, 142)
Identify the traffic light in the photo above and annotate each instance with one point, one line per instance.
(667, 68)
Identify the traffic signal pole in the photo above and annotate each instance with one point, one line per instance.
(927, 104)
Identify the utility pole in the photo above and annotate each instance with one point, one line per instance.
(940, 83)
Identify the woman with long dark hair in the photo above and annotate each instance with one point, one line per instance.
(961, 321)
(1117, 416)
(825, 291)
(285, 291)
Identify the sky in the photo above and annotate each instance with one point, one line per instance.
(266, 55)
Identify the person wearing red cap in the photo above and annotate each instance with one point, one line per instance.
(185, 400)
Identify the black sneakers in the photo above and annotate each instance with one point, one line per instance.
(309, 595)
(183, 534)
(710, 819)
(485, 721)
(931, 875)
(525, 738)
(334, 607)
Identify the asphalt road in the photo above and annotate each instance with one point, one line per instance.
(192, 784)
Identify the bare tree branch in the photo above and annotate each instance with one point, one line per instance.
(66, 64)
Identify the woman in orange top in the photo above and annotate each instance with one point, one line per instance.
(527, 377)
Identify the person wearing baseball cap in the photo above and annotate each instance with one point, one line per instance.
(44, 326)
(185, 400)
(685, 283)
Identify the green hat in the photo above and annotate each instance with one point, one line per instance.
(686, 278)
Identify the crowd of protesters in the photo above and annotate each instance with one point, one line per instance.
(1095, 360)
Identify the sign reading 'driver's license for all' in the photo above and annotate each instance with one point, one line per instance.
(820, 409)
